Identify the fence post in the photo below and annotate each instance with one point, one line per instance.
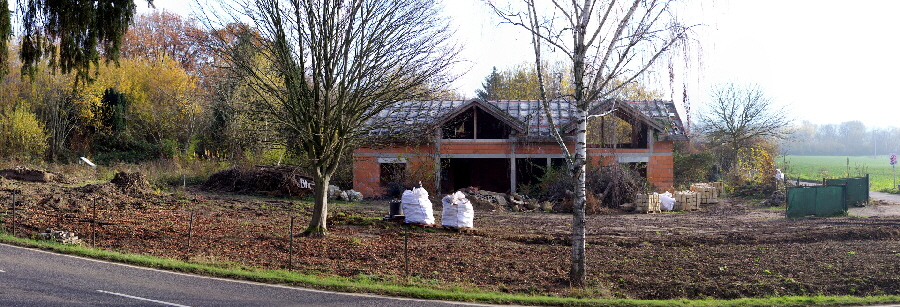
(94, 224)
(190, 230)
(291, 246)
(406, 252)
(13, 215)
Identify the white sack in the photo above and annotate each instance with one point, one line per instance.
(458, 211)
(666, 201)
(448, 215)
(417, 207)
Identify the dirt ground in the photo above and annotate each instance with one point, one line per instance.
(726, 250)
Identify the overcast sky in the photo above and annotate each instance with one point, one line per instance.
(828, 61)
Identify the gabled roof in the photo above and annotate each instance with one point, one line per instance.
(666, 114)
(625, 107)
(526, 116)
(491, 109)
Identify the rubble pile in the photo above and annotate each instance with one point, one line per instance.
(262, 179)
(22, 173)
(487, 200)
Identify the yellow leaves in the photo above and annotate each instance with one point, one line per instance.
(636, 92)
(160, 95)
(21, 134)
(754, 165)
(521, 83)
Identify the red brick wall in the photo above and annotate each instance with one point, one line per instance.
(660, 170)
(366, 171)
(367, 176)
(479, 147)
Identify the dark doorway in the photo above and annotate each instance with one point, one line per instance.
(393, 173)
(484, 174)
(530, 171)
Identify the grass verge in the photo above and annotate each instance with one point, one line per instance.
(356, 285)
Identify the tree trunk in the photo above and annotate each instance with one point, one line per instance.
(317, 226)
(582, 105)
(578, 269)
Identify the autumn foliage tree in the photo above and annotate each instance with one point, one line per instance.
(165, 33)
(158, 100)
(520, 82)
(21, 134)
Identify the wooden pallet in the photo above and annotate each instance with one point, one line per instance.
(646, 203)
(460, 229)
(419, 225)
(687, 201)
(648, 211)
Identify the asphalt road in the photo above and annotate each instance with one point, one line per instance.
(31, 277)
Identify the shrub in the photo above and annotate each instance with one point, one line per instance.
(693, 167)
(22, 135)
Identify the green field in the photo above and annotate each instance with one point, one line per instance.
(881, 176)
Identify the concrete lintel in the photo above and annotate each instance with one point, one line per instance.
(476, 141)
(632, 159)
(391, 160)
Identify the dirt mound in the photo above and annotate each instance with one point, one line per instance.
(262, 179)
(22, 173)
(131, 182)
(102, 189)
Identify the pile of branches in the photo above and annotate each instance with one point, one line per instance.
(261, 180)
(131, 182)
(609, 186)
(615, 185)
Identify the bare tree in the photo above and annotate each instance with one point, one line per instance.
(737, 117)
(326, 67)
(610, 44)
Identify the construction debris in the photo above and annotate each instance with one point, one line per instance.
(22, 173)
(262, 179)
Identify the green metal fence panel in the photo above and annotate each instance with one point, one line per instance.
(817, 200)
(831, 200)
(801, 201)
(857, 189)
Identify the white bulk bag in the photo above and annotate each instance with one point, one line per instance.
(666, 201)
(417, 207)
(458, 211)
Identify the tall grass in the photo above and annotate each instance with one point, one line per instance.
(815, 168)
(162, 174)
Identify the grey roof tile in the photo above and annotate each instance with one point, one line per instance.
(410, 114)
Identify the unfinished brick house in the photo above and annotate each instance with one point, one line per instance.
(500, 145)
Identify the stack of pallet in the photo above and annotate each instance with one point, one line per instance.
(720, 187)
(708, 192)
(646, 203)
(687, 201)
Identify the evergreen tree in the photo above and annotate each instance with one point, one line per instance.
(492, 86)
(74, 35)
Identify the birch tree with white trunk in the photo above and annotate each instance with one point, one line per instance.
(610, 44)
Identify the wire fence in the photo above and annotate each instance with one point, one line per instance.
(258, 237)
(232, 232)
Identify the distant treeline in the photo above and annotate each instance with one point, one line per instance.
(851, 138)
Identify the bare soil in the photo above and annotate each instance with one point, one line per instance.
(726, 250)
